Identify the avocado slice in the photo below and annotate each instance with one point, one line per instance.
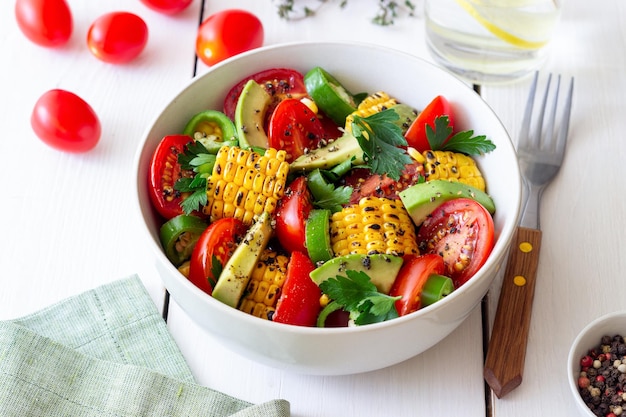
(407, 116)
(344, 148)
(236, 273)
(422, 199)
(250, 116)
(382, 269)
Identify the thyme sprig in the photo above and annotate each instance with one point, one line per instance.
(388, 10)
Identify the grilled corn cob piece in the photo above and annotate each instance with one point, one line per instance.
(244, 183)
(373, 225)
(452, 166)
(372, 104)
(265, 285)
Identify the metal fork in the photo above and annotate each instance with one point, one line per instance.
(540, 153)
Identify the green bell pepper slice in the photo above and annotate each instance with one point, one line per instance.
(436, 288)
(179, 236)
(213, 129)
(330, 95)
(317, 236)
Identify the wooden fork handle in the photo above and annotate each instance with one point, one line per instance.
(504, 364)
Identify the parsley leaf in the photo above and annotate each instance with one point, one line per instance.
(334, 200)
(436, 137)
(356, 293)
(192, 150)
(381, 140)
(195, 157)
(325, 194)
(197, 187)
(463, 142)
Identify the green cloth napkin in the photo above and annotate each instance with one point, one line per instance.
(106, 352)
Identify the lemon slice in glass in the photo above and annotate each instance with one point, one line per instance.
(513, 21)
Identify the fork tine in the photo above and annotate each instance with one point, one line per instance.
(536, 138)
(525, 129)
(567, 110)
(549, 130)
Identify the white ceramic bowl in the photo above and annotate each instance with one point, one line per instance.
(588, 338)
(335, 351)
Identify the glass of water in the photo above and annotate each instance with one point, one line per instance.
(490, 41)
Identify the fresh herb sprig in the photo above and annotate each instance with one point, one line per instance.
(463, 142)
(326, 194)
(382, 142)
(196, 158)
(388, 10)
(356, 294)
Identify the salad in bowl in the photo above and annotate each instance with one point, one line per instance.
(294, 201)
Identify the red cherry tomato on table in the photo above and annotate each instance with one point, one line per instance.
(280, 83)
(228, 33)
(299, 302)
(167, 6)
(294, 128)
(291, 214)
(462, 232)
(164, 172)
(411, 280)
(45, 22)
(65, 121)
(217, 242)
(416, 135)
(117, 37)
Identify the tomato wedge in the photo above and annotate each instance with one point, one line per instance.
(365, 183)
(280, 83)
(416, 135)
(299, 302)
(411, 280)
(164, 172)
(217, 243)
(293, 210)
(462, 232)
(294, 128)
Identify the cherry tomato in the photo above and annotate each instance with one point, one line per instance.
(416, 135)
(65, 121)
(291, 214)
(217, 242)
(294, 127)
(331, 130)
(299, 302)
(280, 83)
(364, 183)
(167, 6)
(228, 33)
(164, 172)
(45, 22)
(411, 279)
(117, 37)
(461, 231)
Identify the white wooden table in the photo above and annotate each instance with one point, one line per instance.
(68, 220)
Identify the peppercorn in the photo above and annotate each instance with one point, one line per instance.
(602, 377)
